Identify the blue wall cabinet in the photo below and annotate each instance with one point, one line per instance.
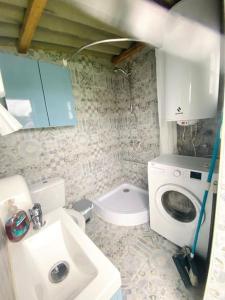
(23, 88)
(58, 94)
(38, 94)
(117, 296)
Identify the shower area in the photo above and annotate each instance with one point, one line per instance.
(126, 205)
(136, 97)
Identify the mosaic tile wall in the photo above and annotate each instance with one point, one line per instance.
(139, 128)
(201, 135)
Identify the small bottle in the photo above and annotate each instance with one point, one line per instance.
(17, 226)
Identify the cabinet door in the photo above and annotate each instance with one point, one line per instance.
(117, 296)
(23, 88)
(58, 94)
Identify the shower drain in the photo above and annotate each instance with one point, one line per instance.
(59, 272)
(126, 190)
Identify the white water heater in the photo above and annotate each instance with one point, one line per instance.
(192, 60)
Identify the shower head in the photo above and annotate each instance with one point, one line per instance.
(116, 70)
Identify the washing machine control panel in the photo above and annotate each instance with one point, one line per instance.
(196, 175)
(177, 173)
(187, 174)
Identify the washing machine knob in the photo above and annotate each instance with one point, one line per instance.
(177, 173)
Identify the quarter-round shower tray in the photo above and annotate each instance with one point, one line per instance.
(127, 205)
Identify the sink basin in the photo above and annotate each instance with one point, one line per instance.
(60, 262)
(53, 244)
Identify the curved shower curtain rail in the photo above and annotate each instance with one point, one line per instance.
(105, 41)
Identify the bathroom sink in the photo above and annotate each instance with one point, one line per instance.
(60, 262)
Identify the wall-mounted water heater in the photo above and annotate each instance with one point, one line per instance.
(192, 61)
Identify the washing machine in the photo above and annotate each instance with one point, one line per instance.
(176, 187)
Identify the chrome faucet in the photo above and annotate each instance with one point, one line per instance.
(36, 216)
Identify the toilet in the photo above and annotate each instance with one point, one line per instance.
(51, 195)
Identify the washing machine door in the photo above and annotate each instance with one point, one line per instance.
(177, 204)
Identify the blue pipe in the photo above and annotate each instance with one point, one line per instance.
(216, 147)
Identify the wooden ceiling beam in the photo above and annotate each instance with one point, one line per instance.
(128, 53)
(30, 23)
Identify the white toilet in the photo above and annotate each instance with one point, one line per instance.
(51, 195)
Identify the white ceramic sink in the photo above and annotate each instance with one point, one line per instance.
(90, 274)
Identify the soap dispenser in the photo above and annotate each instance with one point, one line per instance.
(18, 224)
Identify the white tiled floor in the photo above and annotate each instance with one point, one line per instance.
(144, 259)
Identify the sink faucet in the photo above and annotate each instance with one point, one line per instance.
(36, 216)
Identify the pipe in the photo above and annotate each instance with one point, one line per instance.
(122, 71)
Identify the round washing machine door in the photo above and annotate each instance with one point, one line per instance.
(177, 204)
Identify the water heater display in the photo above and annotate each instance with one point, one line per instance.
(196, 175)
